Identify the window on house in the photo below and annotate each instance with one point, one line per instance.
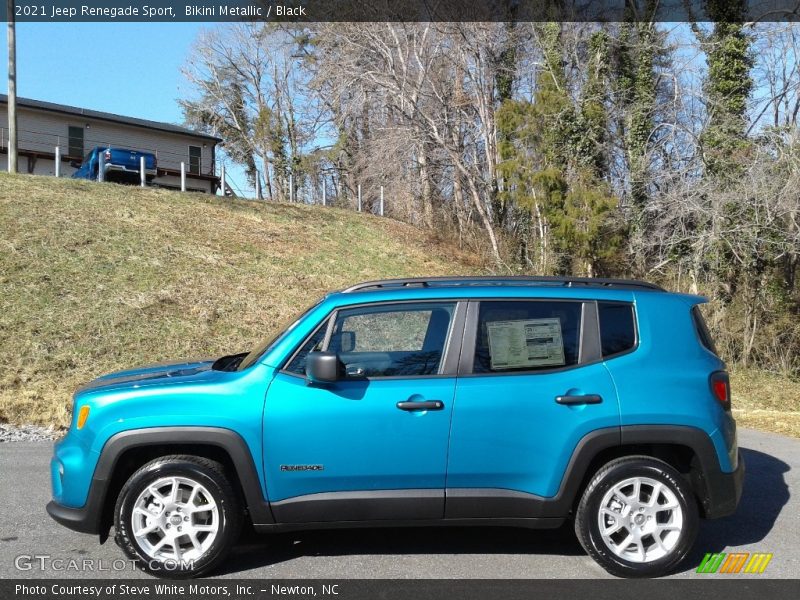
(195, 155)
(75, 135)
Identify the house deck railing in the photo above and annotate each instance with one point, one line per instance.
(39, 143)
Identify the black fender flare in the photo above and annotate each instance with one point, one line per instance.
(226, 439)
(714, 489)
(88, 519)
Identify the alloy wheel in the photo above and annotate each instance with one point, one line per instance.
(175, 519)
(640, 519)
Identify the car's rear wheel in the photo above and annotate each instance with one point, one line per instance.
(178, 516)
(637, 517)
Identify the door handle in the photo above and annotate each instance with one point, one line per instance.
(584, 399)
(426, 405)
(355, 371)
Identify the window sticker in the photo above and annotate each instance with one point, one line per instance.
(525, 343)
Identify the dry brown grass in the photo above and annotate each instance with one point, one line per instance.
(766, 401)
(95, 278)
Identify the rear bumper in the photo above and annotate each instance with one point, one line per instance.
(723, 491)
(112, 168)
(717, 490)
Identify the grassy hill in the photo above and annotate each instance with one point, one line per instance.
(99, 277)
(95, 278)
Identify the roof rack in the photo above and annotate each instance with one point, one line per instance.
(592, 282)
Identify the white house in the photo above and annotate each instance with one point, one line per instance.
(41, 126)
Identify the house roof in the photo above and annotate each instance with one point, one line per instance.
(104, 116)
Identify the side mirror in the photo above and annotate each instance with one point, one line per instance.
(323, 367)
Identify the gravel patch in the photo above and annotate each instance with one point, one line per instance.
(27, 433)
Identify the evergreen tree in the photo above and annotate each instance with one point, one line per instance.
(728, 86)
(555, 160)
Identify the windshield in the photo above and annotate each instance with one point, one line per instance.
(284, 329)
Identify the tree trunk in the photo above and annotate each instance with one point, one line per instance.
(484, 216)
(426, 201)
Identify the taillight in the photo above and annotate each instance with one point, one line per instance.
(721, 388)
(108, 155)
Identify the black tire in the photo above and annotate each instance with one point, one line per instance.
(587, 527)
(211, 476)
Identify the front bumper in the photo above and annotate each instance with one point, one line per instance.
(78, 493)
(723, 491)
(84, 520)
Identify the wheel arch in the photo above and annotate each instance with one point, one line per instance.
(678, 456)
(126, 451)
(687, 449)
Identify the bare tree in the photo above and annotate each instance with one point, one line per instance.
(412, 68)
(777, 73)
(250, 91)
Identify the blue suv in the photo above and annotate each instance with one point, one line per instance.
(522, 401)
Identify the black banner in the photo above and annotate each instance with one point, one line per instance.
(708, 588)
(288, 11)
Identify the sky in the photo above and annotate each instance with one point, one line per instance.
(131, 69)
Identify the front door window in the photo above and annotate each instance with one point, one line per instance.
(392, 340)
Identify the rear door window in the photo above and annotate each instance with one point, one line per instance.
(535, 335)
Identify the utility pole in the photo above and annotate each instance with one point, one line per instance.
(12, 88)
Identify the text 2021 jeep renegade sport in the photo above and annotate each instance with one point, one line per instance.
(466, 401)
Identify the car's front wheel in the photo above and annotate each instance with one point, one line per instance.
(637, 517)
(178, 516)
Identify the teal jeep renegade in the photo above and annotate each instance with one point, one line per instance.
(514, 401)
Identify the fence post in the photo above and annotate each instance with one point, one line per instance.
(222, 181)
(101, 166)
(381, 200)
(324, 199)
(359, 197)
(258, 185)
(142, 176)
(183, 176)
(58, 161)
(291, 187)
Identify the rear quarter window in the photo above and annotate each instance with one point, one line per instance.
(702, 330)
(617, 327)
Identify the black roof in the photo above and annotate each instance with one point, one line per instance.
(590, 282)
(104, 116)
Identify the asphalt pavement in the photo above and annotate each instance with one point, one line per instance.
(768, 520)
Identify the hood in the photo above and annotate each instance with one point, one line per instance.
(158, 374)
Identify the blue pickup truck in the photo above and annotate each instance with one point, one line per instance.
(119, 164)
